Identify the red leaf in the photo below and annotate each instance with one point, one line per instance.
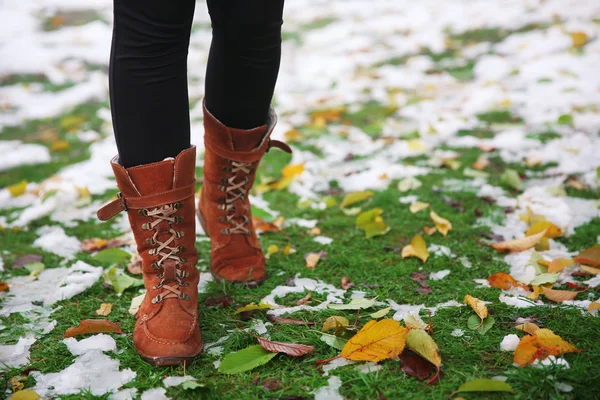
(575, 286)
(93, 326)
(291, 349)
(414, 365)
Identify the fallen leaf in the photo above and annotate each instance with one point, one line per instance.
(511, 178)
(542, 279)
(414, 365)
(355, 304)
(418, 206)
(271, 384)
(416, 248)
(541, 344)
(409, 183)
(477, 305)
(335, 322)
(312, 259)
(3, 286)
(551, 231)
(316, 231)
(288, 173)
(16, 383)
(291, 349)
(414, 321)
(293, 135)
(334, 341)
(594, 306)
(136, 302)
(421, 343)
(112, 256)
(104, 310)
(93, 326)
(17, 189)
(474, 323)
(191, 385)
(481, 163)
(346, 283)
(484, 385)
(590, 257)
(381, 313)
(355, 197)
(245, 360)
(35, 269)
(288, 321)
(120, 281)
(376, 341)
(372, 223)
(253, 306)
(590, 270)
(442, 224)
(528, 327)
(558, 264)
(288, 249)
(559, 295)
(516, 245)
(59, 145)
(263, 226)
(579, 39)
(536, 291)
(504, 281)
(92, 245)
(305, 300)
(135, 264)
(429, 230)
(25, 395)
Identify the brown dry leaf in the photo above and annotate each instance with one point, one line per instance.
(312, 259)
(516, 245)
(347, 283)
(16, 383)
(481, 163)
(559, 295)
(335, 322)
(416, 248)
(551, 230)
(504, 281)
(135, 264)
(576, 184)
(541, 344)
(594, 306)
(528, 327)
(305, 300)
(104, 310)
(590, 270)
(414, 365)
(442, 224)
(3, 286)
(486, 147)
(558, 264)
(589, 257)
(376, 341)
(477, 305)
(429, 230)
(263, 226)
(316, 231)
(95, 244)
(291, 349)
(93, 326)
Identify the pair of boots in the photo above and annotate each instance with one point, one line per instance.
(159, 201)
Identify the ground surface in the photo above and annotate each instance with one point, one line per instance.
(370, 93)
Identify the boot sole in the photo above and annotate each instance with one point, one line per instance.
(170, 361)
(250, 284)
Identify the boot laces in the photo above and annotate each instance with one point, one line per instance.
(235, 191)
(166, 250)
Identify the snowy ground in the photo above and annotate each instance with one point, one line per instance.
(487, 110)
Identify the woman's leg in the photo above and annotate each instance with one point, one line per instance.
(244, 60)
(148, 79)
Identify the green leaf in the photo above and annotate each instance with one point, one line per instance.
(329, 201)
(473, 173)
(355, 197)
(120, 281)
(112, 256)
(245, 360)
(191, 385)
(35, 268)
(544, 278)
(485, 385)
(355, 304)
(474, 321)
(511, 178)
(533, 262)
(565, 119)
(262, 214)
(334, 341)
(372, 223)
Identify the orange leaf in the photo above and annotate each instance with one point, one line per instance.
(376, 341)
(3, 286)
(589, 257)
(559, 295)
(558, 264)
(541, 344)
(551, 230)
(528, 327)
(93, 326)
(504, 281)
(429, 230)
(594, 306)
(263, 226)
(516, 245)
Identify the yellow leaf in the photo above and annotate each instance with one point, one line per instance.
(16, 384)
(312, 259)
(594, 306)
(541, 344)
(335, 322)
(355, 197)
(477, 305)
(17, 189)
(72, 122)
(316, 231)
(293, 135)
(418, 206)
(442, 224)
(376, 341)
(591, 270)
(518, 244)
(288, 249)
(558, 264)
(381, 313)
(481, 163)
(535, 294)
(544, 263)
(528, 327)
(579, 39)
(551, 230)
(254, 306)
(105, 309)
(421, 343)
(371, 222)
(272, 249)
(416, 248)
(416, 145)
(543, 245)
(59, 145)
(559, 295)
(413, 321)
(25, 395)
(288, 173)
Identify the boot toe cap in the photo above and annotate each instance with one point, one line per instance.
(242, 270)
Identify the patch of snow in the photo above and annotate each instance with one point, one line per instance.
(323, 240)
(15, 153)
(304, 223)
(551, 361)
(177, 380)
(458, 332)
(124, 394)
(465, 262)
(54, 240)
(16, 355)
(260, 327)
(436, 276)
(155, 394)
(102, 342)
(337, 363)
(440, 251)
(205, 279)
(402, 310)
(482, 283)
(331, 391)
(509, 342)
(563, 387)
(368, 367)
(408, 199)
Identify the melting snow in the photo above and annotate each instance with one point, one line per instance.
(16, 355)
(436, 276)
(509, 342)
(458, 333)
(155, 394)
(331, 391)
(54, 240)
(15, 153)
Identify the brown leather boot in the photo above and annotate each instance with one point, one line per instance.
(230, 162)
(159, 200)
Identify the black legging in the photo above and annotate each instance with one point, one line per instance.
(148, 71)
